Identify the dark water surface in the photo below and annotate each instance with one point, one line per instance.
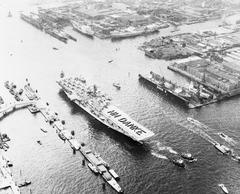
(53, 168)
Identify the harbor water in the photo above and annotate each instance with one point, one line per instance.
(27, 52)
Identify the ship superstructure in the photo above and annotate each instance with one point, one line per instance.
(100, 107)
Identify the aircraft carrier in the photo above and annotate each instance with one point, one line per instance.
(98, 105)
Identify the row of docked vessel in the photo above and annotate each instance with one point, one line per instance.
(191, 96)
(96, 163)
(40, 24)
(32, 19)
(98, 105)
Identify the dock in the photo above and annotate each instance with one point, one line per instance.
(7, 184)
(53, 119)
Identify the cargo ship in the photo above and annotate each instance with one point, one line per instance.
(98, 105)
(57, 34)
(189, 96)
(32, 19)
(83, 29)
(126, 33)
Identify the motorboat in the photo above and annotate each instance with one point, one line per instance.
(39, 142)
(117, 85)
(222, 186)
(44, 130)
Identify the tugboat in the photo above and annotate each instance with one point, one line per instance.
(179, 162)
(93, 168)
(222, 186)
(117, 85)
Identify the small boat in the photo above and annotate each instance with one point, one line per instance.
(24, 184)
(222, 186)
(93, 168)
(111, 181)
(179, 162)
(114, 174)
(20, 91)
(227, 138)
(117, 85)
(54, 48)
(9, 163)
(39, 142)
(17, 98)
(110, 61)
(223, 149)
(62, 137)
(62, 74)
(44, 130)
(193, 160)
(188, 156)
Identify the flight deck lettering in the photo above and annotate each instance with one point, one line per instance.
(127, 123)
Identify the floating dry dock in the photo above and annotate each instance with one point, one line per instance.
(98, 105)
(193, 97)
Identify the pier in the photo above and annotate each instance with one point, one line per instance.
(7, 184)
(53, 119)
(12, 107)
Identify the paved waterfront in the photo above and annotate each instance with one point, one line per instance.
(53, 168)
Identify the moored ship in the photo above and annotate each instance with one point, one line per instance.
(98, 105)
(126, 33)
(83, 29)
(192, 99)
(32, 19)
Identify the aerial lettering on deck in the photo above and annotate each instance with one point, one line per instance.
(126, 122)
